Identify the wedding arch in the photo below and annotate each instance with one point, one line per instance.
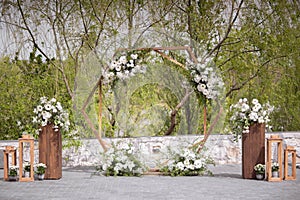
(203, 86)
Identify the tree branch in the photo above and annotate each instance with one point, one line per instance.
(231, 23)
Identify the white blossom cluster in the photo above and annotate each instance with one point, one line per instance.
(123, 68)
(260, 168)
(186, 162)
(51, 111)
(40, 168)
(121, 159)
(244, 114)
(206, 80)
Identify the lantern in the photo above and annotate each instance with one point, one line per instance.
(291, 150)
(270, 175)
(6, 152)
(26, 139)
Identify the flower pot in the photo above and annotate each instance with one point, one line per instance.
(12, 178)
(26, 174)
(259, 176)
(40, 177)
(275, 174)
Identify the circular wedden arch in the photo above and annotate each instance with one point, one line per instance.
(160, 51)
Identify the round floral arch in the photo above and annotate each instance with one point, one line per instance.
(206, 83)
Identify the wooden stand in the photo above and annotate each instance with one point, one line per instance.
(50, 152)
(9, 150)
(26, 139)
(253, 150)
(291, 150)
(270, 141)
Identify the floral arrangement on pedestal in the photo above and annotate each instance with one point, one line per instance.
(51, 112)
(121, 159)
(186, 162)
(244, 114)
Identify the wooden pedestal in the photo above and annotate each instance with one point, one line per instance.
(9, 150)
(50, 152)
(253, 150)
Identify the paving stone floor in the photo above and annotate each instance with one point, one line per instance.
(80, 183)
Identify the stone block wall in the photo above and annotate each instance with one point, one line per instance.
(221, 148)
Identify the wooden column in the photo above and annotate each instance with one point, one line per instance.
(26, 139)
(292, 151)
(277, 140)
(50, 152)
(9, 150)
(253, 150)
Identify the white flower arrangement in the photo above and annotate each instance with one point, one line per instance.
(260, 168)
(205, 79)
(187, 162)
(13, 170)
(275, 166)
(26, 166)
(244, 115)
(123, 68)
(51, 111)
(40, 168)
(121, 159)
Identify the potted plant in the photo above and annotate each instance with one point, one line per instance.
(27, 167)
(40, 170)
(260, 171)
(13, 173)
(275, 169)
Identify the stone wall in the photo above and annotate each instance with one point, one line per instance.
(221, 148)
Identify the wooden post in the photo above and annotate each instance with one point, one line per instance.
(9, 150)
(291, 150)
(26, 139)
(50, 151)
(270, 141)
(253, 150)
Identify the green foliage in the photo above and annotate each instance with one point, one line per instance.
(22, 84)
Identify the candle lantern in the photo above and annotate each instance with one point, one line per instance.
(26, 139)
(290, 150)
(270, 173)
(9, 150)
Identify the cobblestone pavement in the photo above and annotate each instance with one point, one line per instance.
(76, 183)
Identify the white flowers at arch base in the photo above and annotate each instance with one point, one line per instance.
(187, 162)
(121, 159)
(51, 112)
(245, 114)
